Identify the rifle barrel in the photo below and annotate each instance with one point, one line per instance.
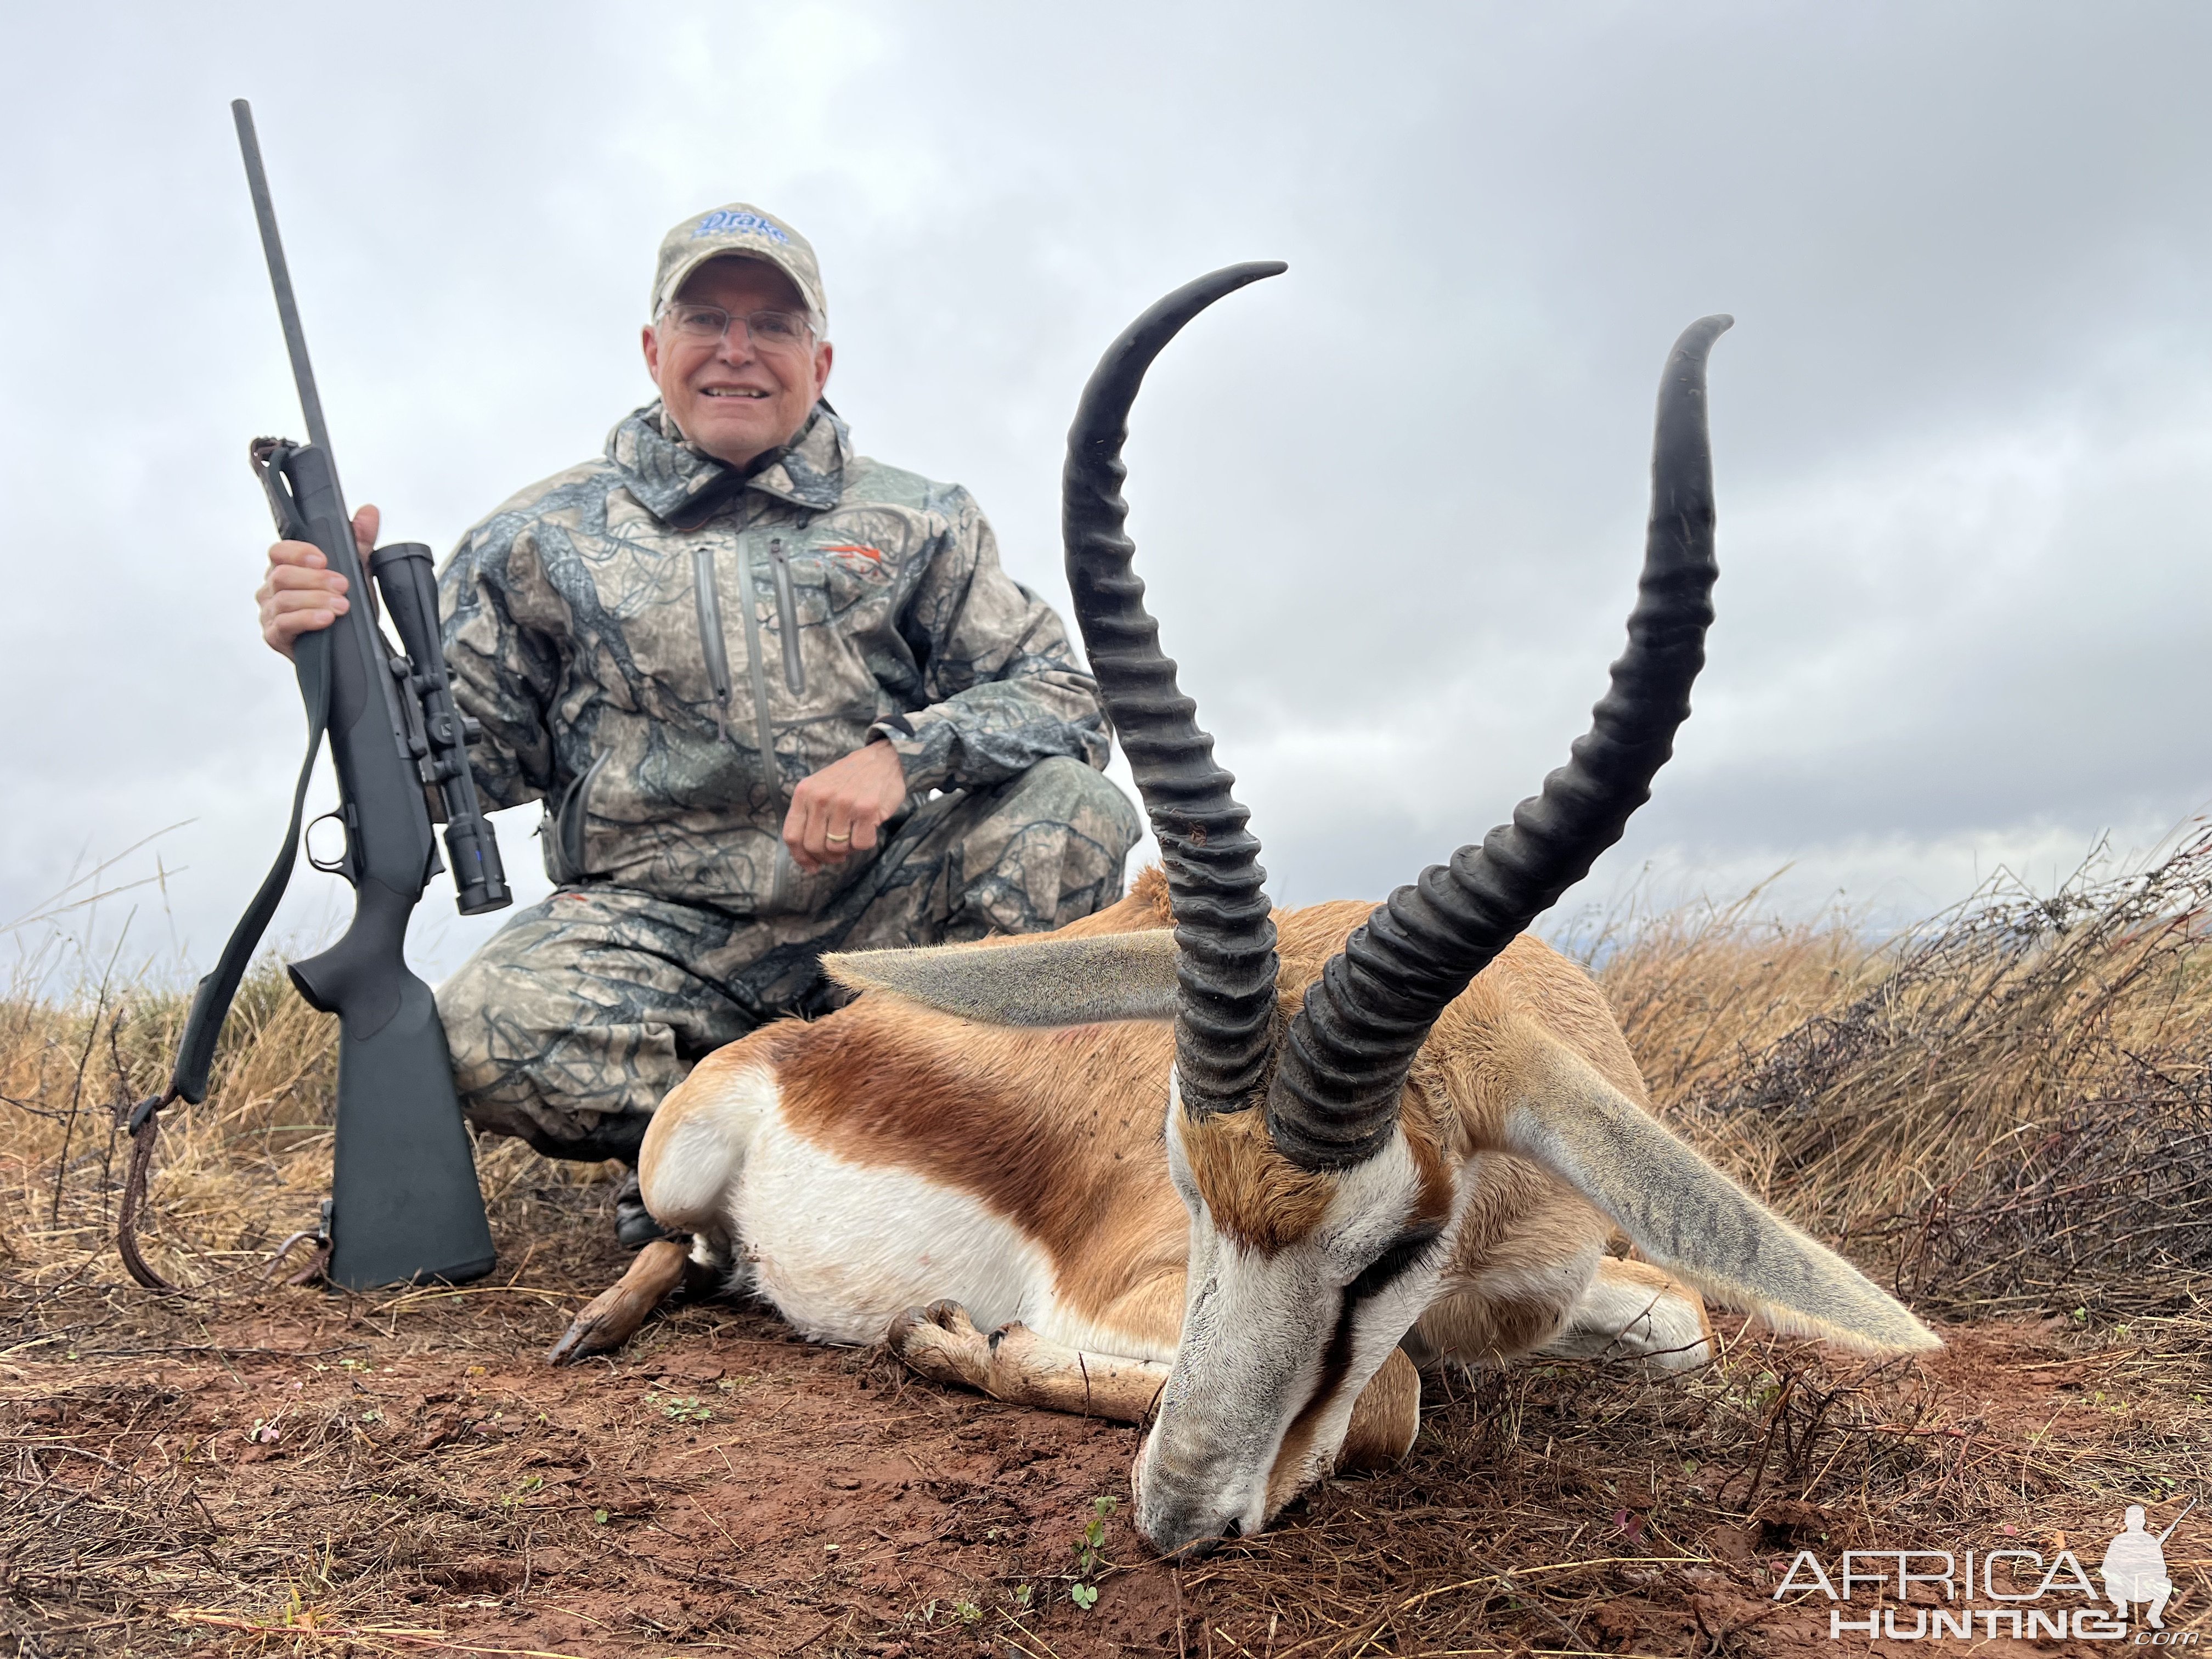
(2178, 1519)
(280, 277)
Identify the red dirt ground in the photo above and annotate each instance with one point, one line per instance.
(294, 1473)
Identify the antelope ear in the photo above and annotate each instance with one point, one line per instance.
(1041, 981)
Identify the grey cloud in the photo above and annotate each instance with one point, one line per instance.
(1388, 505)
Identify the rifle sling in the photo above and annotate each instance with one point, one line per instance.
(212, 999)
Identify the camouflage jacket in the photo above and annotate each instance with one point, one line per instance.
(661, 649)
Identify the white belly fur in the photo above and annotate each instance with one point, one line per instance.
(841, 1248)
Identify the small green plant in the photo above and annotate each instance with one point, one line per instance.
(680, 1408)
(967, 1612)
(1090, 1548)
(1021, 1596)
(1090, 1552)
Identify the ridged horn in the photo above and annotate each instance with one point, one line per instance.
(1225, 954)
(1333, 1101)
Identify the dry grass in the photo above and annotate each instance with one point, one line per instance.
(2009, 1107)
(236, 1176)
(2006, 1111)
(237, 1173)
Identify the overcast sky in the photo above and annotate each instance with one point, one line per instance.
(1389, 505)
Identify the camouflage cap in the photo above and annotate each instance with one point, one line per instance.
(742, 229)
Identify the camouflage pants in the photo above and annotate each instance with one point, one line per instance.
(572, 1021)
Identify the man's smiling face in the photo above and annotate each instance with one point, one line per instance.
(738, 397)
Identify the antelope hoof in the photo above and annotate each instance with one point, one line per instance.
(612, 1318)
(942, 1343)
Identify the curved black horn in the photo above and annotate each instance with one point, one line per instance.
(1225, 962)
(1334, 1098)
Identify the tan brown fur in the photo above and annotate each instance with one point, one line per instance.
(1060, 1131)
(1519, 1224)
(1256, 1195)
(612, 1318)
(1384, 1422)
(1261, 1199)
(1043, 1128)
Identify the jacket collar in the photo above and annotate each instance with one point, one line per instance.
(683, 486)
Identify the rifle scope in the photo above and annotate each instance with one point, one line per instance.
(438, 733)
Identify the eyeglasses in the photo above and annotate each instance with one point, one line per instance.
(770, 331)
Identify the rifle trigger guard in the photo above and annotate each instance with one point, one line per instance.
(340, 866)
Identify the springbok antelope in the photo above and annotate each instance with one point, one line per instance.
(1236, 1169)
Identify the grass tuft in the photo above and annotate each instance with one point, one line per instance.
(2005, 1112)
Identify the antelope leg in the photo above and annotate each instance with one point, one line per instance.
(1386, 1418)
(612, 1318)
(1015, 1364)
(1634, 1309)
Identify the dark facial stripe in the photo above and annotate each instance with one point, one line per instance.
(1403, 1255)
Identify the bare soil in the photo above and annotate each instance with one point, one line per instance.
(284, 1471)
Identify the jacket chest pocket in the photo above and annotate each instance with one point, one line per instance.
(787, 616)
(819, 611)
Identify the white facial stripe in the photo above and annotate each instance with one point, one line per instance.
(1256, 1337)
(1372, 1204)
(1251, 1325)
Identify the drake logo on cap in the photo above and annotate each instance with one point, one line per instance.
(720, 220)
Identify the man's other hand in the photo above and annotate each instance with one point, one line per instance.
(301, 594)
(836, 812)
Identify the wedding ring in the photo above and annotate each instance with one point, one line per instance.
(847, 836)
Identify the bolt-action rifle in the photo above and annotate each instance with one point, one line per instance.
(404, 1204)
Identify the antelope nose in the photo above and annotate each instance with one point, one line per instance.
(1188, 1530)
(1184, 1541)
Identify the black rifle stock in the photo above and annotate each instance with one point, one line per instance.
(404, 1202)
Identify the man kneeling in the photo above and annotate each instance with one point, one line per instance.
(779, 699)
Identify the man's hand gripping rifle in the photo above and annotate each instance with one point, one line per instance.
(404, 1204)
